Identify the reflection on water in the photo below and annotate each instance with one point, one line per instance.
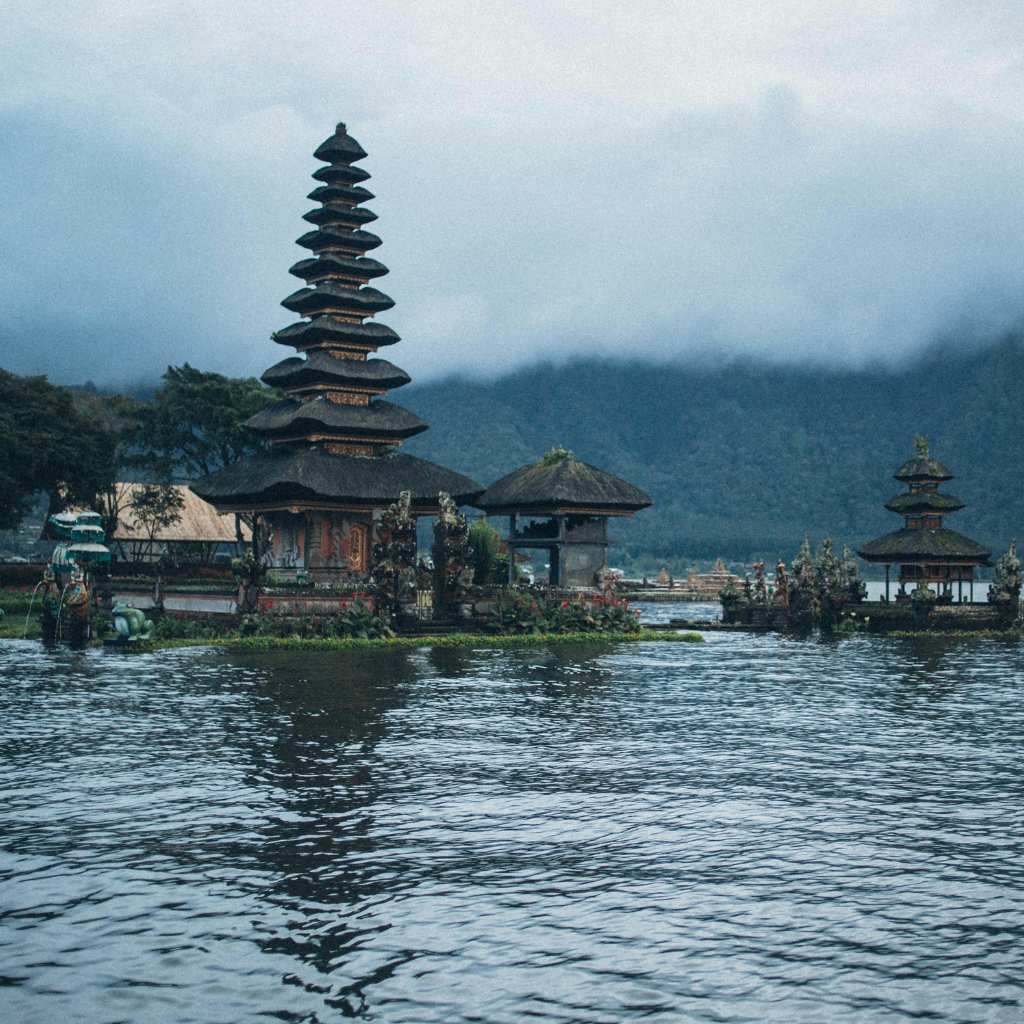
(754, 829)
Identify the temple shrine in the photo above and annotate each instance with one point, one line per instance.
(333, 462)
(926, 551)
(561, 505)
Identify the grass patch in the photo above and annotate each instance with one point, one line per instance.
(466, 640)
(12, 627)
(15, 601)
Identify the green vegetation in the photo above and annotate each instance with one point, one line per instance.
(525, 613)
(356, 622)
(743, 460)
(195, 423)
(48, 444)
(490, 567)
(468, 640)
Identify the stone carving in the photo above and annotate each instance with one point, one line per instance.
(1006, 581)
(394, 554)
(781, 596)
(451, 552)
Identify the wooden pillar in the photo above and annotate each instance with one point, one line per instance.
(960, 596)
(511, 550)
(887, 582)
(972, 588)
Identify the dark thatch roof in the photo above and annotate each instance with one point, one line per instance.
(361, 267)
(378, 419)
(325, 237)
(923, 467)
(923, 501)
(326, 330)
(340, 147)
(562, 483)
(341, 174)
(313, 474)
(924, 546)
(354, 215)
(340, 193)
(322, 368)
(335, 295)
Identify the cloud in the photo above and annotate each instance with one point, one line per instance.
(827, 182)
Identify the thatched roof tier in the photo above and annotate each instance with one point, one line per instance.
(321, 367)
(341, 174)
(562, 485)
(339, 147)
(923, 501)
(332, 264)
(918, 545)
(342, 215)
(295, 416)
(331, 237)
(333, 295)
(339, 214)
(328, 330)
(340, 194)
(923, 467)
(312, 476)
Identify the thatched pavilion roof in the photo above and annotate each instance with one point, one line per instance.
(560, 483)
(199, 523)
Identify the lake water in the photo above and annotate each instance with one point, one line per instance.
(754, 829)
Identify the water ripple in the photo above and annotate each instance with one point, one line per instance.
(758, 829)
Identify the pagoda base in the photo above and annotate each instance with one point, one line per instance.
(317, 545)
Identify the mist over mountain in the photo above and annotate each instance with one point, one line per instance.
(744, 460)
(827, 183)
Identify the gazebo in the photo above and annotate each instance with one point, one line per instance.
(562, 505)
(924, 549)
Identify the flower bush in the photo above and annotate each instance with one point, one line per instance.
(535, 612)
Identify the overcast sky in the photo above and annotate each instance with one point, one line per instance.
(817, 180)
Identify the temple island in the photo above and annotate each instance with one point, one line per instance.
(331, 503)
(933, 566)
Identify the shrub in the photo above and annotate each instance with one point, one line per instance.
(530, 612)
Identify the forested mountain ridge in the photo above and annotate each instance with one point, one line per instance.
(743, 460)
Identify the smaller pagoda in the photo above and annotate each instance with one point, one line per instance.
(562, 505)
(924, 549)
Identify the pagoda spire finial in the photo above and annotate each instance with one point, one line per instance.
(921, 446)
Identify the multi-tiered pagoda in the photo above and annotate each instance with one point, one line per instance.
(333, 462)
(925, 550)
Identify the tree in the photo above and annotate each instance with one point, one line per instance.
(119, 416)
(196, 423)
(155, 508)
(48, 444)
(485, 553)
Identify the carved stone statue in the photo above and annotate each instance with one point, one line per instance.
(451, 552)
(1006, 581)
(760, 584)
(394, 554)
(781, 597)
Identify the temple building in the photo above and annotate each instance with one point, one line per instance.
(562, 505)
(333, 462)
(924, 549)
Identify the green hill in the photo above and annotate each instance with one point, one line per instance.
(743, 460)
